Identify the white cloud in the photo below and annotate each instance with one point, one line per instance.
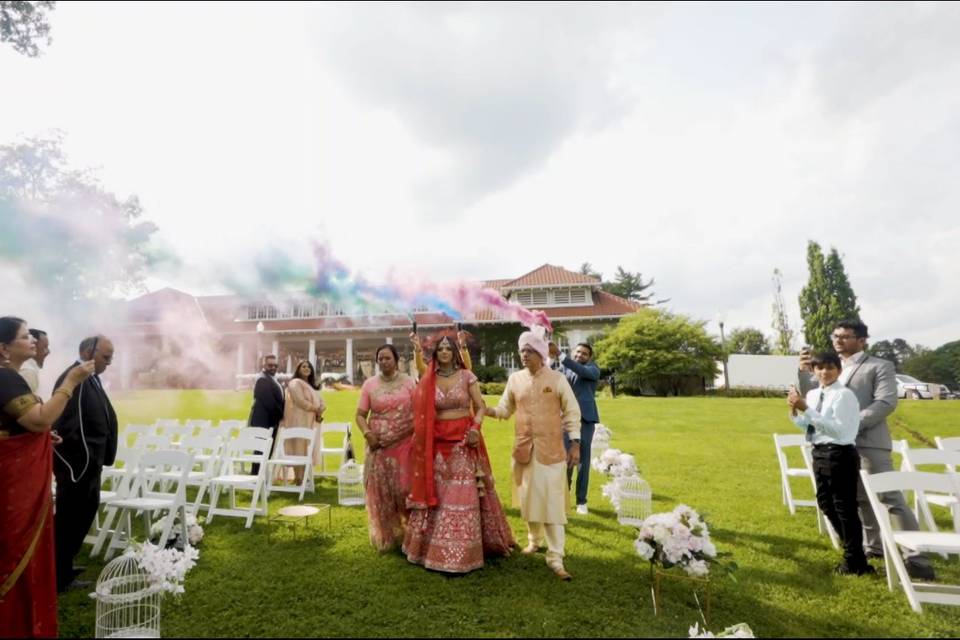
(700, 145)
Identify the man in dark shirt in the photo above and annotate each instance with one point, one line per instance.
(583, 375)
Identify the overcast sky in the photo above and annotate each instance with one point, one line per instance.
(702, 145)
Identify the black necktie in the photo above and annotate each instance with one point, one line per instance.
(810, 428)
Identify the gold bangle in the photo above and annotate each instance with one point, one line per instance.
(64, 391)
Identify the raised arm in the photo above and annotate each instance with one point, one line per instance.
(36, 416)
(588, 371)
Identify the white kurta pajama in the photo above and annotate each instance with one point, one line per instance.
(545, 408)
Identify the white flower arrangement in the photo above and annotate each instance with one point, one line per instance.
(625, 467)
(166, 569)
(677, 538)
(611, 493)
(741, 630)
(194, 532)
(605, 461)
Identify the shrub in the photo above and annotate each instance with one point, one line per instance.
(492, 388)
(490, 373)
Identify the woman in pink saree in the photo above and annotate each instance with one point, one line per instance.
(456, 519)
(385, 416)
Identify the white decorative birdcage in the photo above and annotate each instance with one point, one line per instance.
(600, 442)
(128, 605)
(350, 492)
(634, 500)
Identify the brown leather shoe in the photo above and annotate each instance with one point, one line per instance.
(562, 573)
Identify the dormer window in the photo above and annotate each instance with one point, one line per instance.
(539, 298)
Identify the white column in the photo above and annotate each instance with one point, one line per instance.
(313, 353)
(239, 358)
(289, 363)
(125, 366)
(350, 360)
(389, 339)
(275, 349)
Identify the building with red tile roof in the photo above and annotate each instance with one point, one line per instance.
(226, 335)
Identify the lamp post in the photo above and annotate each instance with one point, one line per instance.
(259, 344)
(723, 347)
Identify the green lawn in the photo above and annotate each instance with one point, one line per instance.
(714, 454)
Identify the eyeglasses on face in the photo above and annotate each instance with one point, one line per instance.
(844, 336)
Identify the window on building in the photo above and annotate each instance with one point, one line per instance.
(578, 296)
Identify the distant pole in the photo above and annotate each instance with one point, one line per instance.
(259, 345)
(723, 346)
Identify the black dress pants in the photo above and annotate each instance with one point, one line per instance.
(77, 505)
(836, 470)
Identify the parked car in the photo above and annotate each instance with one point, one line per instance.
(946, 393)
(910, 387)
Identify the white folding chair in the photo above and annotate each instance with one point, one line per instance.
(916, 541)
(339, 435)
(216, 431)
(155, 467)
(260, 432)
(781, 442)
(245, 448)
(206, 460)
(281, 459)
(162, 424)
(153, 443)
(137, 431)
(950, 460)
(177, 432)
(948, 444)
(120, 486)
(198, 423)
(232, 427)
(123, 465)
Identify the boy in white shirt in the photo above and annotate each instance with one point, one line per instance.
(831, 416)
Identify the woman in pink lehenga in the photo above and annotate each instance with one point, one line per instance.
(385, 416)
(456, 518)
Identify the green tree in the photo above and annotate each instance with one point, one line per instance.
(659, 351)
(62, 230)
(630, 286)
(827, 297)
(23, 24)
(898, 351)
(942, 365)
(587, 269)
(783, 338)
(748, 340)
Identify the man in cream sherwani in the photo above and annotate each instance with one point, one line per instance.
(546, 408)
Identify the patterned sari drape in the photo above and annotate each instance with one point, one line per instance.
(28, 586)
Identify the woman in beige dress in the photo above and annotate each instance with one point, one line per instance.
(302, 407)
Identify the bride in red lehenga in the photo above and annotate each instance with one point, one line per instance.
(456, 518)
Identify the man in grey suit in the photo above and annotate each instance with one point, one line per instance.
(874, 383)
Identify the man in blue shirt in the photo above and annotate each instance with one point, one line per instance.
(830, 414)
(583, 375)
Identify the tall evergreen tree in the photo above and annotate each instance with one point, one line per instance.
(783, 338)
(827, 298)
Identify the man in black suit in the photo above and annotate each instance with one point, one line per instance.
(267, 409)
(88, 427)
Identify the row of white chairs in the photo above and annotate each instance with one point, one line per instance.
(939, 489)
(146, 481)
(172, 428)
(149, 437)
